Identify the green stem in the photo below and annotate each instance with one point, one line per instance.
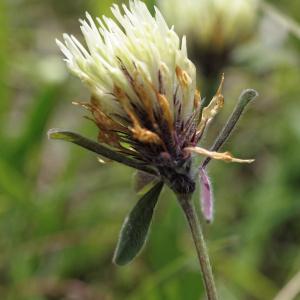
(195, 227)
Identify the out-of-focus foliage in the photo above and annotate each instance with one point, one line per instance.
(61, 210)
(221, 23)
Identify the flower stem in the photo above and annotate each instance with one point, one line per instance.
(195, 227)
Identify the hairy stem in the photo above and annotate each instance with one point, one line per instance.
(195, 227)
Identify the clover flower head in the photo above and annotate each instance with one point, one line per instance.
(144, 101)
(131, 62)
(214, 24)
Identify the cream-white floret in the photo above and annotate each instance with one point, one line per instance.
(145, 46)
(211, 22)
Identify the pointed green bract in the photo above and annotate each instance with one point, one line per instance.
(245, 98)
(135, 229)
(75, 138)
(143, 182)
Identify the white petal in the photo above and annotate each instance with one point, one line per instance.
(138, 40)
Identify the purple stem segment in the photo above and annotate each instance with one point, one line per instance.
(206, 195)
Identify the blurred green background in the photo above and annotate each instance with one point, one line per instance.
(61, 210)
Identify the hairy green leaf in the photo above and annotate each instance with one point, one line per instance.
(135, 229)
(75, 138)
(143, 182)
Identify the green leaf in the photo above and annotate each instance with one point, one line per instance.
(75, 138)
(143, 182)
(135, 229)
(245, 98)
